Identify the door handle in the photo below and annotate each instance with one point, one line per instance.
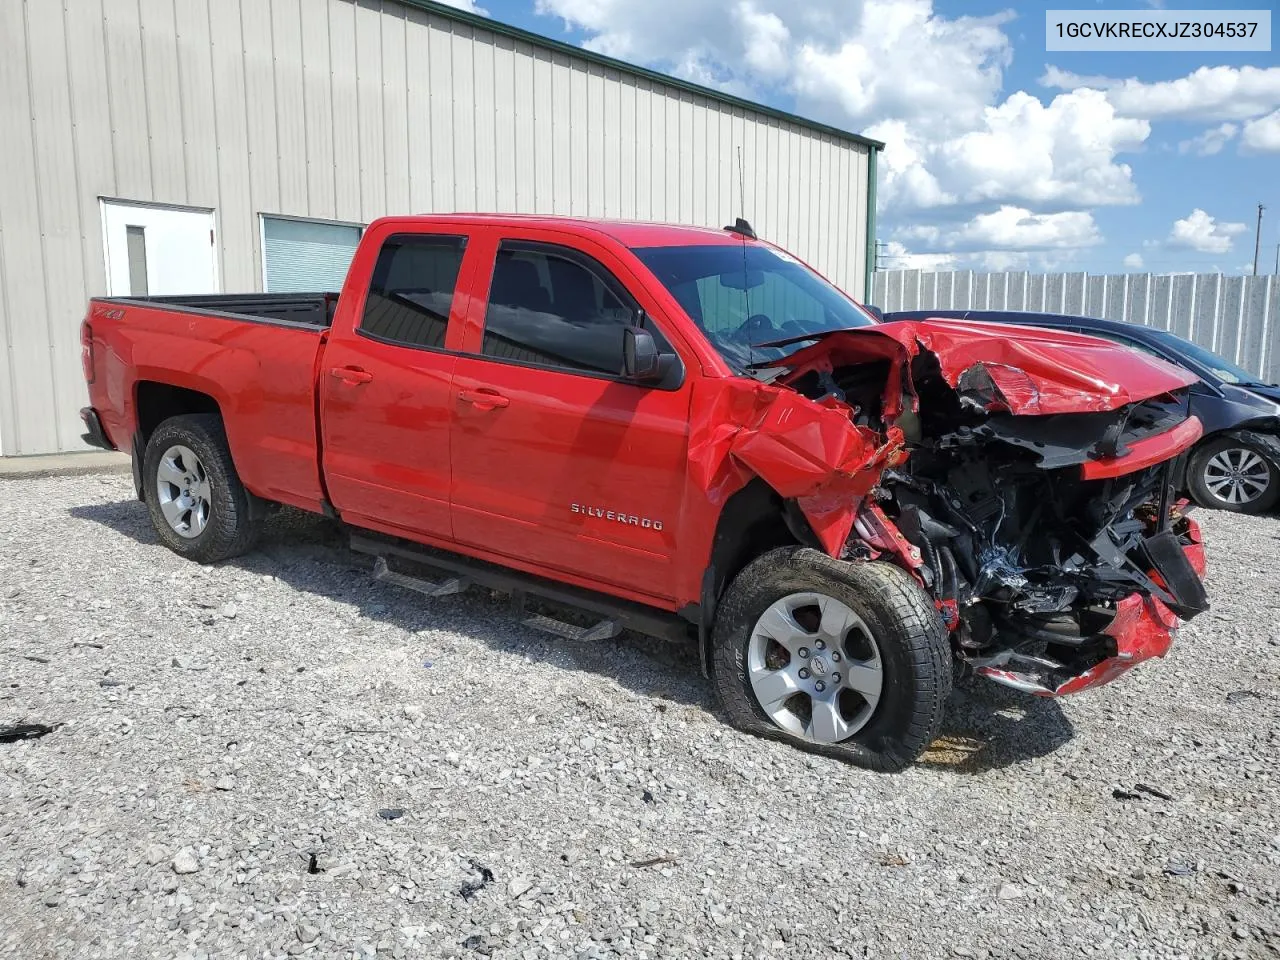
(484, 398)
(350, 375)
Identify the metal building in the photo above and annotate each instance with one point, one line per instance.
(182, 146)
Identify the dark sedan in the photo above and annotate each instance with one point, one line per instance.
(1236, 465)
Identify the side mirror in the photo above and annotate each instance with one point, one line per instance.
(641, 361)
(874, 311)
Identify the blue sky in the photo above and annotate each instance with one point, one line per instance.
(1000, 154)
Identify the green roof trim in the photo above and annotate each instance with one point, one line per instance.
(538, 40)
(872, 252)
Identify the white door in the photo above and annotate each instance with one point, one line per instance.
(154, 251)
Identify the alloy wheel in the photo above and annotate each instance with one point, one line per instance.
(182, 486)
(815, 667)
(1237, 476)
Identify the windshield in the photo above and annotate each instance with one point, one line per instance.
(1220, 367)
(745, 296)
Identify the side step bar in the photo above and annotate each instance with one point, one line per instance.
(446, 588)
(462, 572)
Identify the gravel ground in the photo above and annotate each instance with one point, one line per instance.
(278, 756)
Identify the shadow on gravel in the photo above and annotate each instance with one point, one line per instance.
(987, 726)
(310, 554)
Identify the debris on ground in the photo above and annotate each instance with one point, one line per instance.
(391, 813)
(13, 732)
(484, 877)
(1236, 696)
(654, 862)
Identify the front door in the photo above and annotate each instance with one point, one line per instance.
(558, 461)
(385, 391)
(157, 250)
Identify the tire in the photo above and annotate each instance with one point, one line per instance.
(1256, 457)
(230, 520)
(907, 636)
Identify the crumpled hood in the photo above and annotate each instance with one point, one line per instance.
(1024, 370)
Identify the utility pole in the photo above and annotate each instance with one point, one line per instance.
(1257, 241)
(1278, 259)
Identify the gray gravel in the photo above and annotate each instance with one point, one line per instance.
(278, 756)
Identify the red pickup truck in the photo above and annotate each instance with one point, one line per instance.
(688, 432)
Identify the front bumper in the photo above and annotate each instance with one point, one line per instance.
(1142, 628)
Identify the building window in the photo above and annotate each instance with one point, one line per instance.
(411, 291)
(306, 255)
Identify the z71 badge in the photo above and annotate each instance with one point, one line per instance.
(630, 519)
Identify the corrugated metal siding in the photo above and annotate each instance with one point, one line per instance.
(346, 110)
(1238, 317)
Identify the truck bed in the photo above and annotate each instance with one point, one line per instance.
(301, 309)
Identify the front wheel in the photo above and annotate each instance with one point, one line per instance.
(1237, 472)
(845, 659)
(198, 505)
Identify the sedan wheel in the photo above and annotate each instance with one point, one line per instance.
(1237, 472)
(1237, 476)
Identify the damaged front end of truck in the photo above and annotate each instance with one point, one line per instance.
(1024, 478)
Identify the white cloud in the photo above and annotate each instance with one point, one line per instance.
(927, 84)
(1060, 153)
(467, 5)
(766, 39)
(1209, 93)
(1210, 142)
(1018, 229)
(1203, 233)
(1262, 135)
(894, 255)
(1133, 261)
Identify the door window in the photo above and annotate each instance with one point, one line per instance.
(411, 291)
(554, 311)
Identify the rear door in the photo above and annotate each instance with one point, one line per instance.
(384, 387)
(557, 460)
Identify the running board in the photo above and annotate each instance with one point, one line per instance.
(445, 588)
(604, 630)
(615, 615)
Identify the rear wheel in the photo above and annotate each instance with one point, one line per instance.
(845, 659)
(1236, 473)
(198, 505)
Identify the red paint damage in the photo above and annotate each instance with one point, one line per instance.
(812, 451)
(1023, 370)
(807, 451)
(1143, 628)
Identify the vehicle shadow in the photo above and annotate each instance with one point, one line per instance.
(986, 726)
(989, 726)
(309, 553)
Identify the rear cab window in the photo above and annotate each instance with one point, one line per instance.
(411, 291)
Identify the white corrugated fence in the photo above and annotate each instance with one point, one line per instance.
(1237, 317)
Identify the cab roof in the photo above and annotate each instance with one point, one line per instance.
(635, 234)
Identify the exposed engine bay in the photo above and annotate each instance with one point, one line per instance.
(1054, 553)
